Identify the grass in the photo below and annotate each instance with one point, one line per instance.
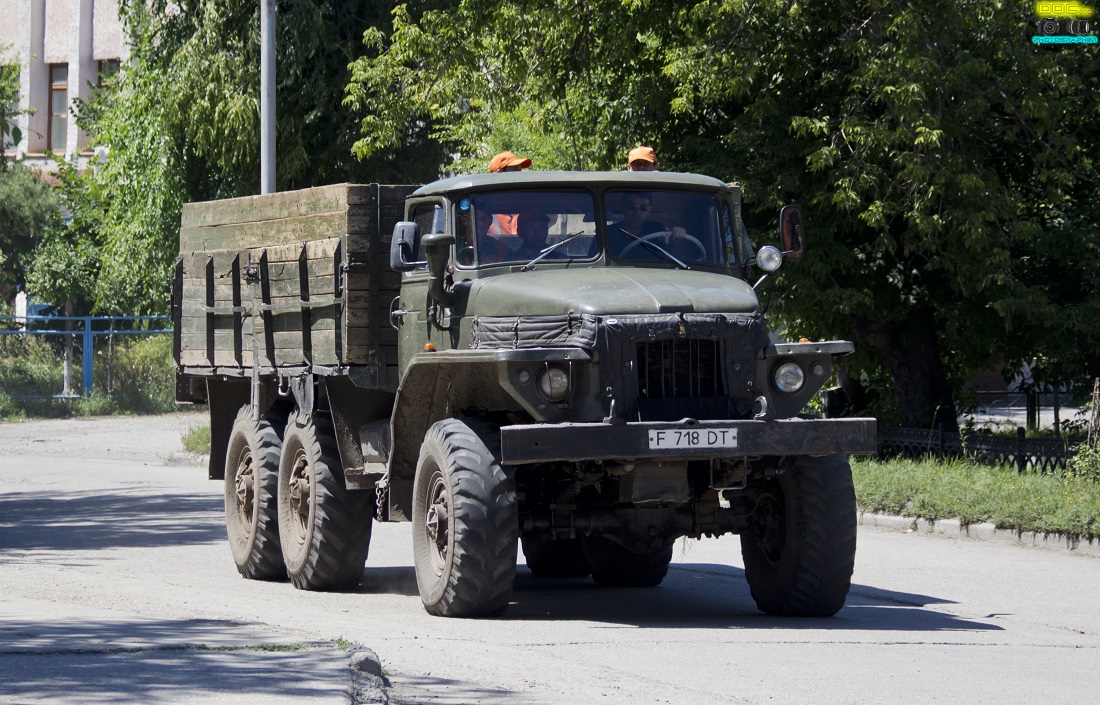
(972, 493)
(132, 375)
(197, 439)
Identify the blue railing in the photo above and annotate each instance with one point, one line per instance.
(91, 327)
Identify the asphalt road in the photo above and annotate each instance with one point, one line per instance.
(113, 557)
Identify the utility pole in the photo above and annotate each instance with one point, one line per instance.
(267, 96)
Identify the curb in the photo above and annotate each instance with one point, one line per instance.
(985, 531)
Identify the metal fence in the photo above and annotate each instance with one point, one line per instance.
(1039, 455)
(85, 330)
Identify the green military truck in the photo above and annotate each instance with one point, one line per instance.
(574, 362)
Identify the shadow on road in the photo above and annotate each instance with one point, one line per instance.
(710, 595)
(176, 676)
(18, 636)
(693, 595)
(91, 520)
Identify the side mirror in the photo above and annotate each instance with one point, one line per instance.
(437, 249)
(403, 247)
(791, 232)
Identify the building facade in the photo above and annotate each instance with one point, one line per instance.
(64, 50)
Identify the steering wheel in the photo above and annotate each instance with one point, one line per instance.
(667, 235)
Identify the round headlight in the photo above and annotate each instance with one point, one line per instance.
(789, 377)
(554, 383)
(769, 258)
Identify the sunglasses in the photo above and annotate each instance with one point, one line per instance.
(638, 207)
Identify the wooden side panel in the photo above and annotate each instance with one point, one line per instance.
(372, 285)
(293, 278)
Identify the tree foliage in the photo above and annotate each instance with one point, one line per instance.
(943, 161)
(181, 123)
(27, 209)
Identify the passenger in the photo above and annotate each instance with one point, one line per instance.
(505, 223)
(491, 249)
(641, 159)
(507, 161)
(534, 228)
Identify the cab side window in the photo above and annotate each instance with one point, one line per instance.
(429, 218)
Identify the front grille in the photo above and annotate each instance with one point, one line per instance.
(680, 369)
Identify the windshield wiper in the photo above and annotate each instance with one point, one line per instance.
(544, 252)
(654, 247)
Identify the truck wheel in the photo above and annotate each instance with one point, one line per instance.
(800, 550)
(563, 558)
(465, 521)
(324, 529)
(251, 511)
(615, 566)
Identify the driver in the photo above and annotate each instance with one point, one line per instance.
(637, 206)
(533, 229)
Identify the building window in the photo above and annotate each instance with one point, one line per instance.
(108, 69)
(59, 108)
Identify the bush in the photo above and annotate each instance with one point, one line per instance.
(1085, 465)
(29, 367)
(132, 374)
(141, 374)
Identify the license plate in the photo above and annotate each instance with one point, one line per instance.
(693, 438)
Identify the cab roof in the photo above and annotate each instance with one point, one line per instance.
(574, 179)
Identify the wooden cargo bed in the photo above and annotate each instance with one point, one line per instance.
(291, 279)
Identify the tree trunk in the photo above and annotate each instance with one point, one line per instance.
(910, 353)
(67, 370)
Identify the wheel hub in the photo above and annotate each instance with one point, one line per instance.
(437, 520)
(299, 492)
(245, 486)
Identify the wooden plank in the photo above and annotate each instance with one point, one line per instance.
(395, 194)
(359, 280)
(194, 291)
(289, 271)
(387, 336)
(322, 340)
(266, 233)
(197, 324)
(368, 245)
(361, 317)
(194, 263)
(315, 249)
(223, 342)
(359, 194)
(285, 204)
(363, 299)
(322, 319)
(291, 288)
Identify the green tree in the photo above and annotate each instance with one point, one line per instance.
(181, 123)
(9, 108)
(27, 209)
(943, 161)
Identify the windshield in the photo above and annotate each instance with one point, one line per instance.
(519, 226)
(689, 227)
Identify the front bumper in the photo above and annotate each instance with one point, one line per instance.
(538, 443)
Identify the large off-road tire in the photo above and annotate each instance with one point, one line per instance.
(324, 529)
(561, 558)
(800, 550)
(251, 510)
(465, 521)
(615, 566)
